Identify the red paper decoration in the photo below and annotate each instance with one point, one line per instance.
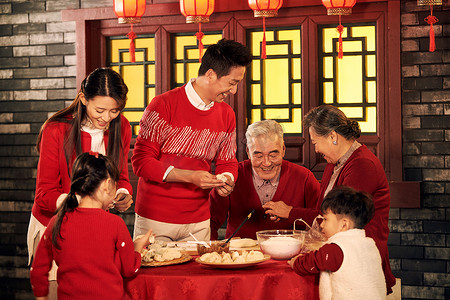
(339, 7)
(130, 12)
(265, 9)
(197, 11)
(430, 19)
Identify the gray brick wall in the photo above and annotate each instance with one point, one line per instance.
(421, 244)
(37, 77)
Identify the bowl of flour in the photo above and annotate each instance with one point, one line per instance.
(281, 244)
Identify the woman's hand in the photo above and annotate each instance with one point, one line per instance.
(123, 202)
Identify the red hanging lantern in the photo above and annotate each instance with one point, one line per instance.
(198, 12)
(430, 19)
(265, 9)
(130, 12)
(339, 7)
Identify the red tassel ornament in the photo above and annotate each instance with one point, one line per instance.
(131, 35)
(263, 46)
(197, 11)
(199, 36)
(265, 9)
(339, 7)
(130, 12)
(431, 20)
(340, 29)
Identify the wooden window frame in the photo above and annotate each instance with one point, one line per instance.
(233, 18)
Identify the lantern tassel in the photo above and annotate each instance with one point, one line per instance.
(431, 20)
(199, 36)
(263, 46)
(131, 35)
(340, 29)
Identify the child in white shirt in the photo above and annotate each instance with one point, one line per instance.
(349, 263)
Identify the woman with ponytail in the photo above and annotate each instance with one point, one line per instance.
(92, 248)
(352, 164)
(92, 122)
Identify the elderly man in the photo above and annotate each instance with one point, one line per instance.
(279, 191)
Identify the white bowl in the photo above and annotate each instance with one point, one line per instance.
(281, 244)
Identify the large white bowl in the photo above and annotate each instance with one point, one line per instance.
(281, 244)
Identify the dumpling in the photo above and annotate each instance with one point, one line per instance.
(221, 177)
(226, 258)
(170, 254)
(206, 257)
(158, 257)
(244, 254)
(239, 260)
(216, 258)
(254, 255)
(234, 254)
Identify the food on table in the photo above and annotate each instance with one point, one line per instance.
(281, 247)
(213, 246)
(233, 257)
(281, 243)
(242, 243)
(158, 251)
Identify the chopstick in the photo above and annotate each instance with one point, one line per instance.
(199, 242)
(242, 224)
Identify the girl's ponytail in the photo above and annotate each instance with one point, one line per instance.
(89, 170)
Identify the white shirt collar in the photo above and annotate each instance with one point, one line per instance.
(195, 99)
(97, 139)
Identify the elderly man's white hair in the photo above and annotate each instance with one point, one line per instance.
(265, 128)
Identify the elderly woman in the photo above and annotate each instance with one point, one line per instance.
(352, 164)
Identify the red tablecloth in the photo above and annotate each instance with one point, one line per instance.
(268, 280)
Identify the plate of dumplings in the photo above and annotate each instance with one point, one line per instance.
(232, 260)
(159, 254)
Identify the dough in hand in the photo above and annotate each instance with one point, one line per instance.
(242, 243)
(151, 239)
(221, 177)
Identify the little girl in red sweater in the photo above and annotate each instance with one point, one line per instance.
(92, 248)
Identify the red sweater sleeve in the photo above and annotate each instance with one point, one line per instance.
(124, 180)
(328, 258)
(223, 162)
(130, 264)
(147, 150)
(49, 174)
(309, 212)
(42, 264)
(219, 207)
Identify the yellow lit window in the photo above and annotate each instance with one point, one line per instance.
(185, 58)
(138, 76)
(350, 83)
(275, 84)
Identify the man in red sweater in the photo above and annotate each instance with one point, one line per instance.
(279, 191)
(181, 133)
